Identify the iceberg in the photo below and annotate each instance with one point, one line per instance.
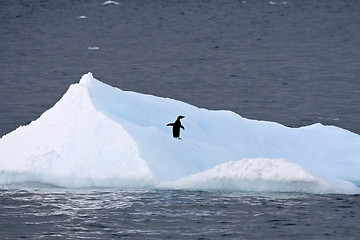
(97, 135)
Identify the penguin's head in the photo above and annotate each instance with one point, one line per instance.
(180, 117)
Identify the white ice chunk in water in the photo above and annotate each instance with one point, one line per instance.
(100, 136)
(110, 2)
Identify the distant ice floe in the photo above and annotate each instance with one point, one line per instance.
(275, 3)
(93, 48)
(82, 17)
(329, 118)
(110, 2)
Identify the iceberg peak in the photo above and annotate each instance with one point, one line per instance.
(87, 79)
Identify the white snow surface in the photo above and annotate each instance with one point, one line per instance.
(100, 136)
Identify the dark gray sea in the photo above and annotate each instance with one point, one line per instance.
(48, 213)
(295, 62)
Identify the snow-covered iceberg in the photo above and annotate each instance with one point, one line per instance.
(101, 136)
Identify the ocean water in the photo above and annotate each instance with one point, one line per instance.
(294, 62)
(44, 212)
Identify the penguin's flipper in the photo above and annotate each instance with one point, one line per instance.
(182, 127)
(170, 124)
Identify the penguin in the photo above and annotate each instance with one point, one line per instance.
(176, 127)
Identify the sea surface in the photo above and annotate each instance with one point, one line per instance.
(55, 213)
(295, 62)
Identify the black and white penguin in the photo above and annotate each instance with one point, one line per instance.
(176, 127)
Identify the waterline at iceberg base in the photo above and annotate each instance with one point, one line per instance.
(100, 136)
